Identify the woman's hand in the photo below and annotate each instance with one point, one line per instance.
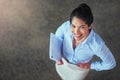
(59, 62)
(85, 65)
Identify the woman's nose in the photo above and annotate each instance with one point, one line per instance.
(76, 31)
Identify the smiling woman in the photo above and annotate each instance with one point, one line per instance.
(79, 44)
(80, 30)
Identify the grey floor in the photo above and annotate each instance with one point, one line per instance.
(25, 26)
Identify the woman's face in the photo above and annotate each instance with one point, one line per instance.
(79, 29)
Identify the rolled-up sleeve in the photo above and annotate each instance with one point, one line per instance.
(107, 59)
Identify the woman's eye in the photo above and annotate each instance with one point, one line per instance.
(82, 27)
(73, 26)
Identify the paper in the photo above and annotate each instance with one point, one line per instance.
(55, 47)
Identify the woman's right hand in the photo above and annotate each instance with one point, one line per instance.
(59, 62)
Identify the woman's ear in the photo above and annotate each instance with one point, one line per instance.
(90, 27)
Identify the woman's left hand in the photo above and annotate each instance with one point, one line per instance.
(85, 65)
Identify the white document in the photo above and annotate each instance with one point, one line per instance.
(55, 47)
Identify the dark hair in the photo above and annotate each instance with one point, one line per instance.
(83, 12)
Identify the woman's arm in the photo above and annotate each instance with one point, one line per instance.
(60, 34)
(107, 59)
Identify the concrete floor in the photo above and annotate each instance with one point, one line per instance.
(25, 26)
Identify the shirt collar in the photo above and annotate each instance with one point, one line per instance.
(89, 38)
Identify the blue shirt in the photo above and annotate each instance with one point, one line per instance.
(84, 52)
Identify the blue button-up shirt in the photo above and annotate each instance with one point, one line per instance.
(84, 52)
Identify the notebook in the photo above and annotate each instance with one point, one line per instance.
(55, 47)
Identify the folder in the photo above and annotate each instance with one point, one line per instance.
(55, 47)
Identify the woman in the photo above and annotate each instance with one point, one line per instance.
(79, 44)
